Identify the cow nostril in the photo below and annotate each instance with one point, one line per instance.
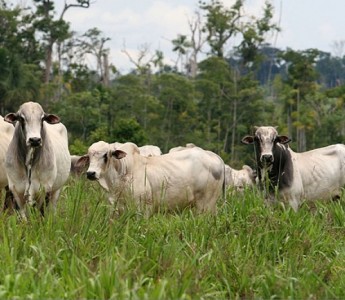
(35, 141)
(91, 175)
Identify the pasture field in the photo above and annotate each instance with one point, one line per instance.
(248, 251)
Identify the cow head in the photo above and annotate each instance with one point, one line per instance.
(264, 140)
(30, 117)
(97, 159)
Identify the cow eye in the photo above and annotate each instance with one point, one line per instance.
(105, 157)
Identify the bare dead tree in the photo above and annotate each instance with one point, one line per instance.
(197, 41)
(92, 42)
(53, 38)
(105, 78)
(143, 59)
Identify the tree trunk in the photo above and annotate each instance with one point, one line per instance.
(234, 119)
(49, 54)
(233, 133)
(105, 70)
(302, 140)
(208, 134)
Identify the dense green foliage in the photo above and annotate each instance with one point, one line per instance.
(246, 251)
(211, 102)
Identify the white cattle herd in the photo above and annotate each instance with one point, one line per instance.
(35, 164)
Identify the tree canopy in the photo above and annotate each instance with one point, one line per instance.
(211, 103)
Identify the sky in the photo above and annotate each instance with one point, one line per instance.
(134, 24)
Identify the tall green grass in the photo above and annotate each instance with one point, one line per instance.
(247, 251)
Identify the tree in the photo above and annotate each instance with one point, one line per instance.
(181, 44)
(216, 89)
(331, 69)
(81, 113)
(221, 24)
(19, 71)
(301, 78)
(197, 41)
(92, 42)
(143, 59)
(53, 30)
(129, 130)
(254, 33)
(176, 111)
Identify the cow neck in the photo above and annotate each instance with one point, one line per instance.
(28, 156)
(116, 171)
(24, 153)
(116, 177)
(121, 166)
(28, 167)
(281, 172)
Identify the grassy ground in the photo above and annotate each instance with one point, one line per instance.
(246, 251)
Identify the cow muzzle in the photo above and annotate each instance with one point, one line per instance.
(34, 142)
(267, 159)
(91, 175)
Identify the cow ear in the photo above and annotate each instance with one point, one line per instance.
(82, 161)
(11, 118)
(51, 119)
(247, 140)
(283, 139)
(118, 154)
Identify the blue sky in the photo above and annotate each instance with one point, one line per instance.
(154, 23)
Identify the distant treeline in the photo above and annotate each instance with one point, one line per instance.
(212, 102)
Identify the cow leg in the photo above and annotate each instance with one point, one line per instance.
(202, 207)
(336, 198)
(205, 201)
(19, 203)
(50, 201)
(45, 202)
(9, 202)
(294, 204)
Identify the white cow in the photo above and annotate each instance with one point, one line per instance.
(6, 133)
(146, 150)
(313, 175)
(192, 177)
(239, 179)
(180, 148)
(150, 150)
(37, 159)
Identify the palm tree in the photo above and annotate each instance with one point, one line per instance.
(181, 44)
